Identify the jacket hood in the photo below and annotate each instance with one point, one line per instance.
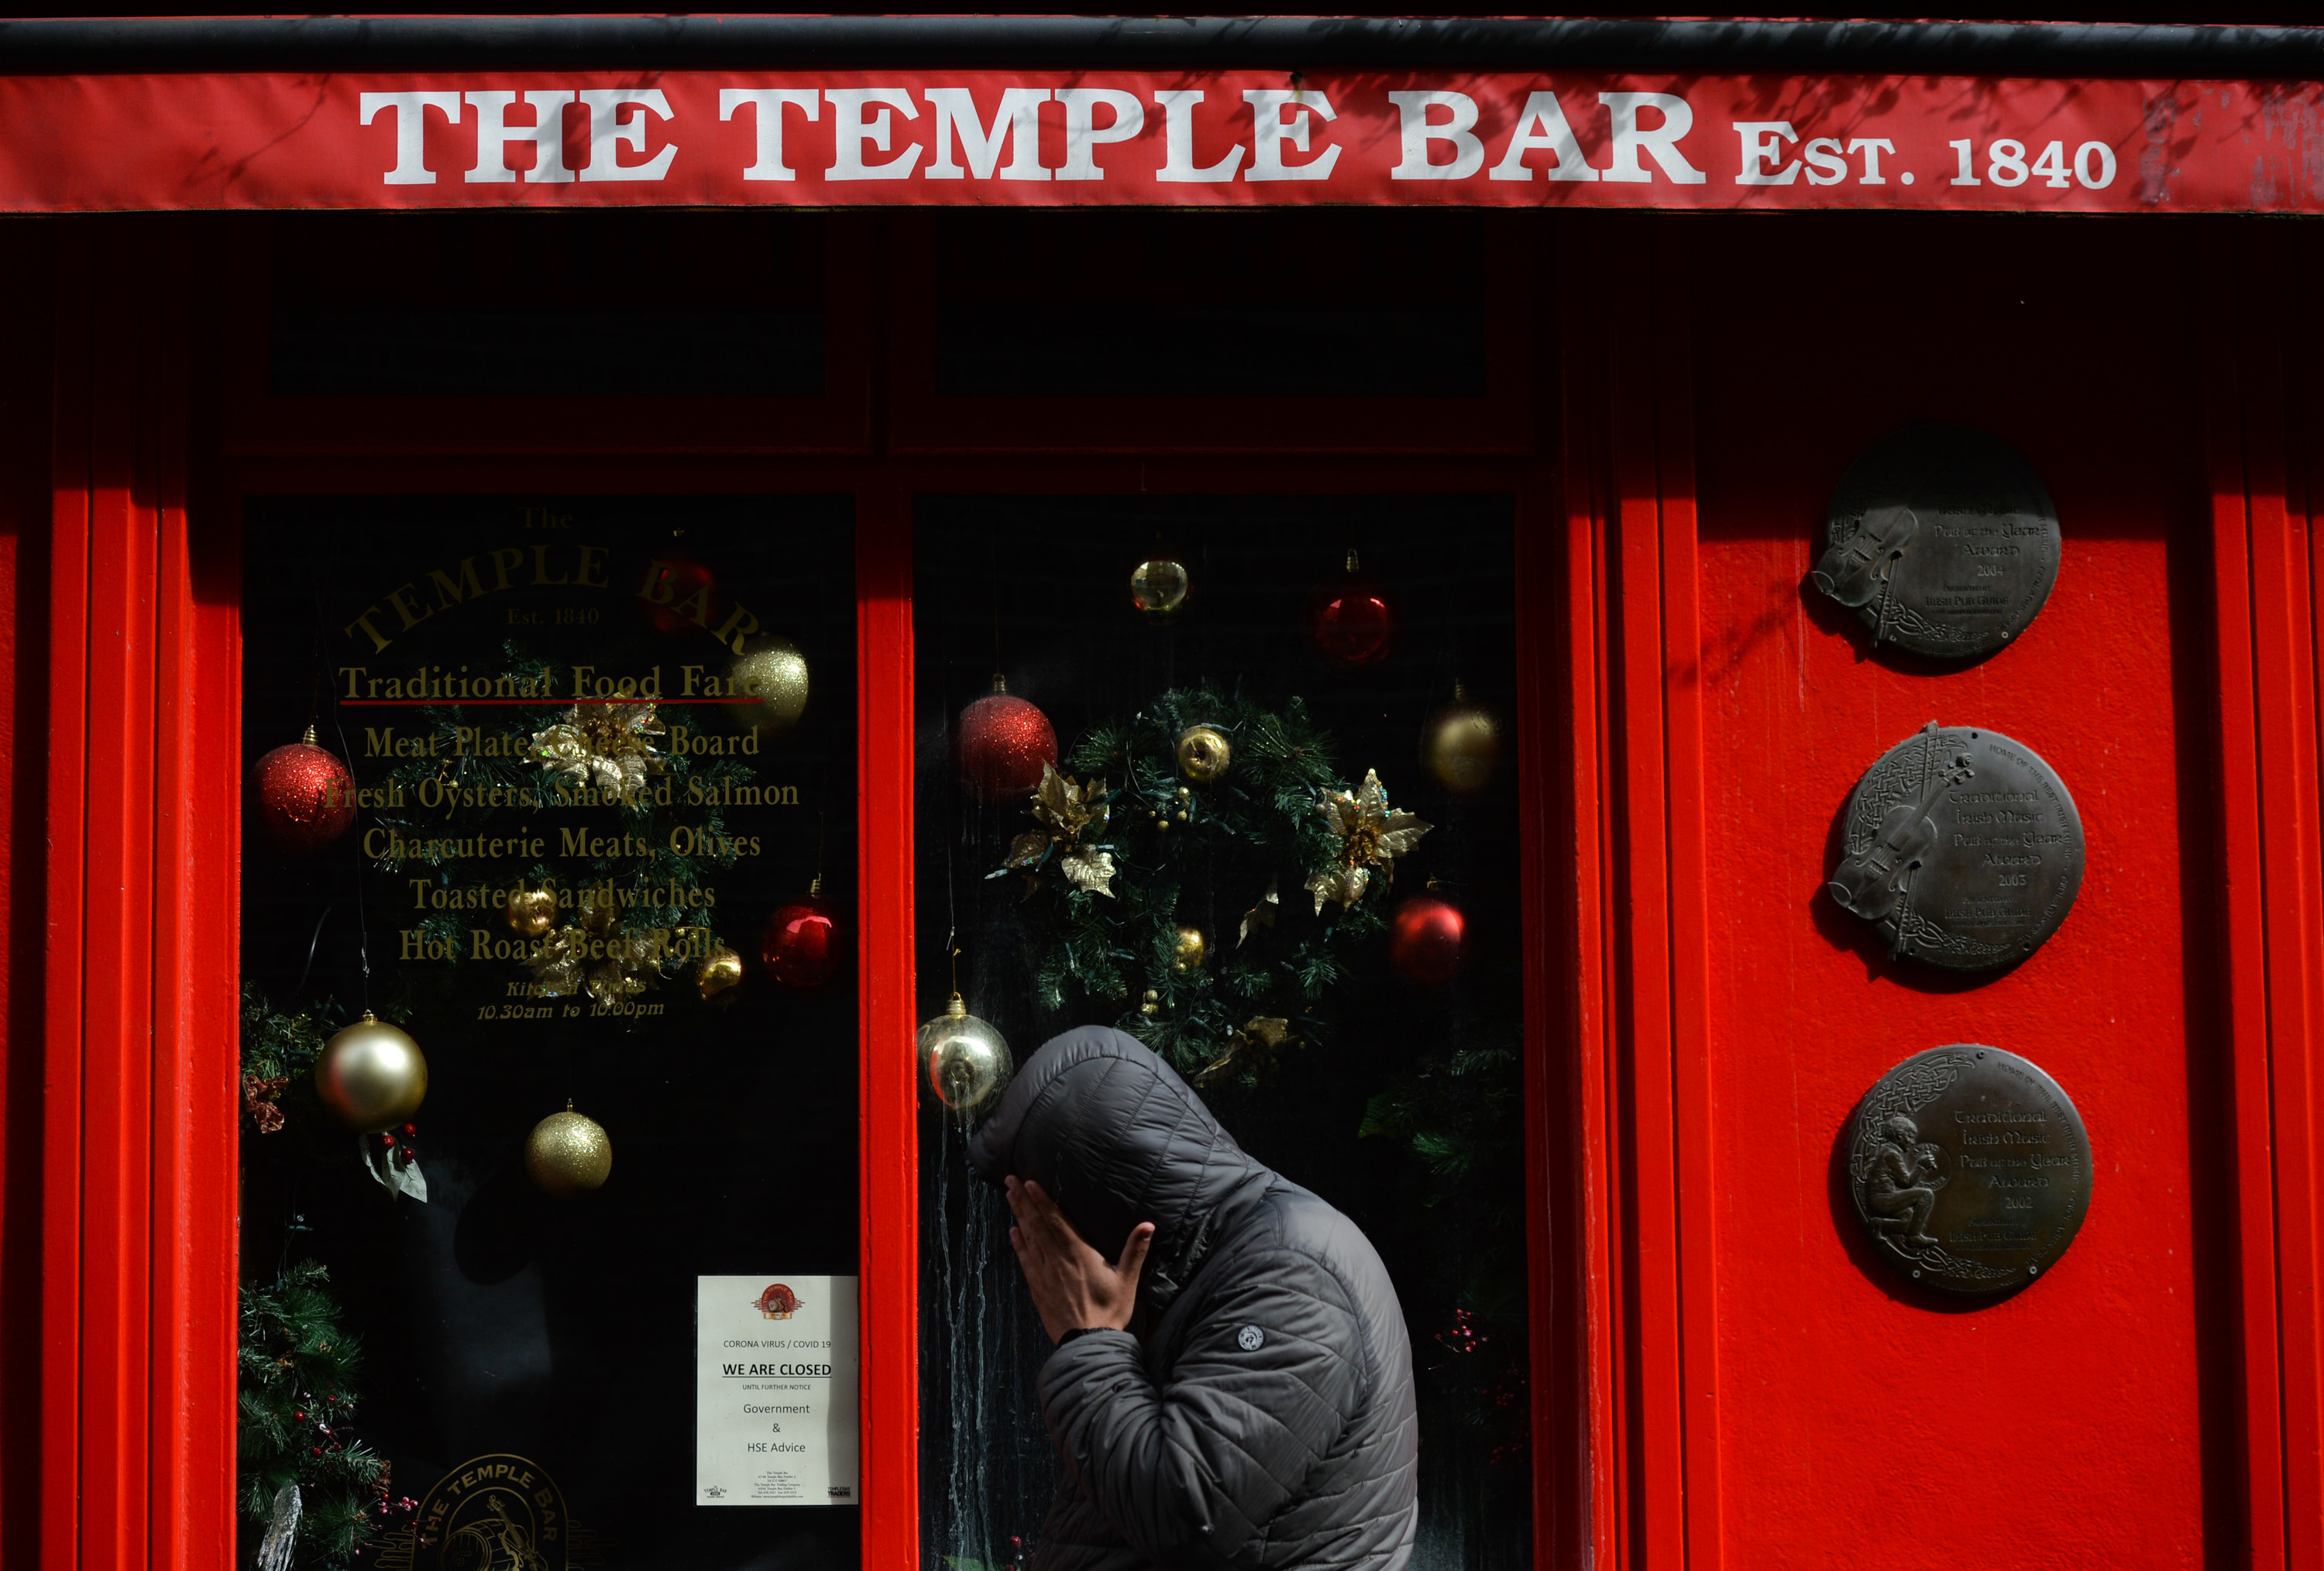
(1116, 1138)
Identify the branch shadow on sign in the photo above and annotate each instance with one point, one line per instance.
(1831, 616)
(1843, 930)
(1866, 1258)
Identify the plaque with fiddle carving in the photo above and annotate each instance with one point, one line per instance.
(1962, 847)
(1969, 1168)
(1943, 541)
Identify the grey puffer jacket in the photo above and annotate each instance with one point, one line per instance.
(1262, 1414)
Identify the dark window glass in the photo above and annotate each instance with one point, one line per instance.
(1210, 305)
(437, 643)
(1395, 1097)
(548, 305)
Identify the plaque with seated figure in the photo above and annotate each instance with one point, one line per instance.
(1969, 1169)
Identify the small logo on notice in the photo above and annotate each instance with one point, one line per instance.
(1250, 1338)
(716, 1492)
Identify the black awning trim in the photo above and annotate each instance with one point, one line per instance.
(48, 45)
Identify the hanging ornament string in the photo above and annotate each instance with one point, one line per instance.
(363, 921)
(372, 1076)
(306, 795)
(966, 1060)
(313, 939)
(315, 668)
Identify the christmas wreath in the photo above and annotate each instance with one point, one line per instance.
(1208, 874)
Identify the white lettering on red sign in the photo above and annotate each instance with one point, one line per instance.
(1196, 138)
(1288, 136)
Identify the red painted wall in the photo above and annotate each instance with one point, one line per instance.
(2089, 1419)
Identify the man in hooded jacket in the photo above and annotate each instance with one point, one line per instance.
(1232, 1384)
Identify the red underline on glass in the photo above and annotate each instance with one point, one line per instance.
(530, 703)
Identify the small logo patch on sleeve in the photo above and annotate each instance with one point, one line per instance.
(1250, 1338)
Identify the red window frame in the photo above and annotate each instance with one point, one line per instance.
(890, 1087)
(142, 1029)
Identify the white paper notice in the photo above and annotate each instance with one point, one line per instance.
(775, 1391)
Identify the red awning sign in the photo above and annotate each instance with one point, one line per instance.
(1229, 138)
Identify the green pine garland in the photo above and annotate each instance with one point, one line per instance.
(299, 1367)
(278, 1062)
(1461, 1115)
(1225, 846)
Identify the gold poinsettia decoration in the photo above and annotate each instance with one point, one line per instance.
(632, 964)
(1372, 835)
(557, 966)
(1263, 914)
(1067, 810)
(1253, 1046)
(610, 747)
(609, 969)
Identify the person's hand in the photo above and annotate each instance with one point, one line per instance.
(1074, 1287)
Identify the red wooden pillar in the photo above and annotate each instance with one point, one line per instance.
(1594, 1124)
(1645, 1094)
(2260, 448)
(138, 1258)
(890, 1087)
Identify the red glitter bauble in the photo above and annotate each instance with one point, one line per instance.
(1003, 742)
(306, 797)
(1425, 938)
(678, 594)
(801, 946)
(1350, 620)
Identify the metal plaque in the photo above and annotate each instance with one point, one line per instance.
(1971, 1169)
(1943, 541)
(1963, 847)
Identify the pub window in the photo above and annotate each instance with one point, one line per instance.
(539, 782)
(1133, 713)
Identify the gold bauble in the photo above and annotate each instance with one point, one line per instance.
(1461, 746)
(1203, 753)
(1187, 951)
(775, 674)
(967, 1061)
(371, 1076)
(568, 1153)
(720, 971)
(1157, 587)
(532, 911)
